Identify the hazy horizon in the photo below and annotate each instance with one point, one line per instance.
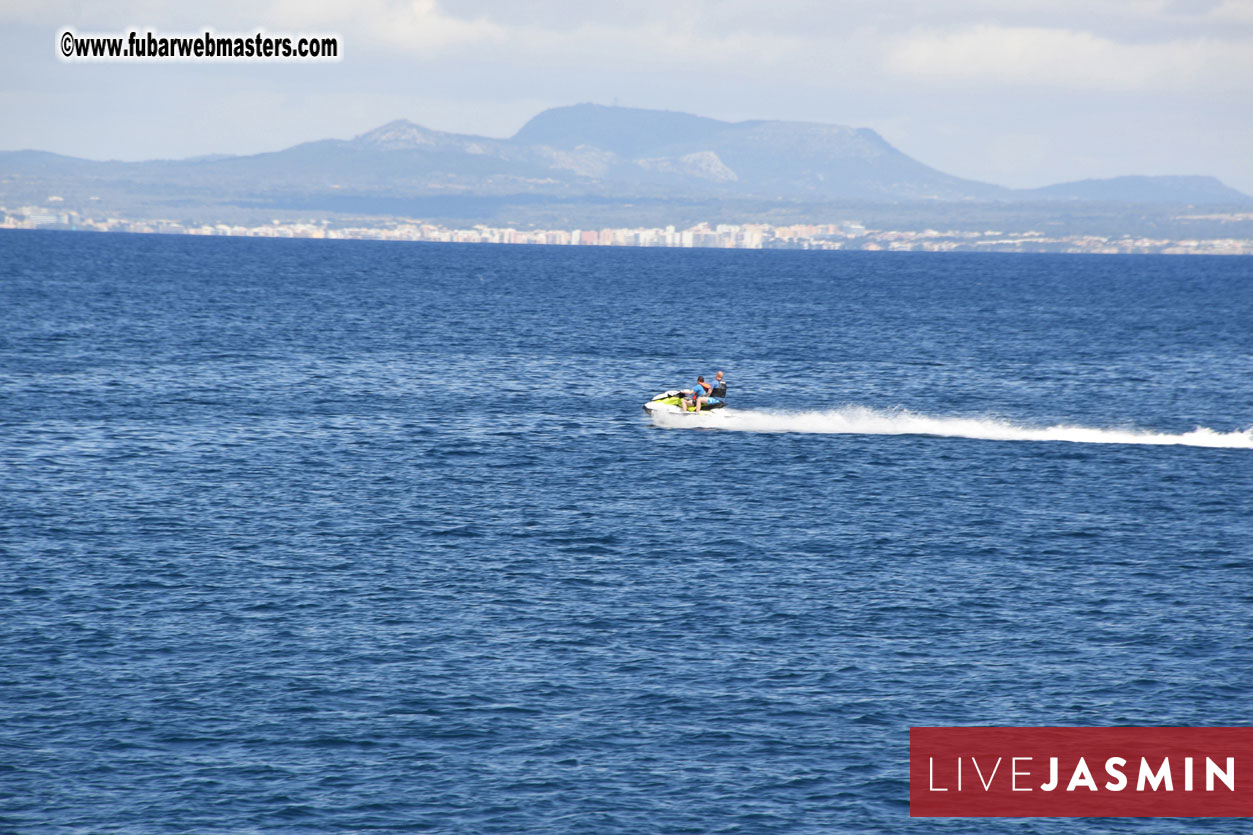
(506, 137)
(1020, 94)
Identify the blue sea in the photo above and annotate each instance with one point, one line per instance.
(329, 537)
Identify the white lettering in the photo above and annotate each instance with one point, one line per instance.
(1052, 783)
(1187, 774)
(1228, 776)
(987, 784)
(1014, 774)
(1162, 775)
(931, 774)
(1113, 767)
(1081, 777)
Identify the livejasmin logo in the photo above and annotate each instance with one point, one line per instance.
(1081, 775)
(1080, 772)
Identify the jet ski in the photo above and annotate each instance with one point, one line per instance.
(671, 402)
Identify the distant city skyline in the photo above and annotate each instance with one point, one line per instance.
(1022, 93)
(846, 235)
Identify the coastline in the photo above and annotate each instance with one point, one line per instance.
(846, 236)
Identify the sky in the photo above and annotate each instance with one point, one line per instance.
(1021, 93)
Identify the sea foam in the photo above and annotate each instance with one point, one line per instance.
(862, 420)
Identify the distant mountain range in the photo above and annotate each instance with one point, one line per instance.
(586, 152)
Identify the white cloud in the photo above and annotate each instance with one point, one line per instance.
(1073, 77)
(994, 55)
(1234, 11)
(411, 25)
(419, 27)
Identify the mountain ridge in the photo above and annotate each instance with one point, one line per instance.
(562, 156)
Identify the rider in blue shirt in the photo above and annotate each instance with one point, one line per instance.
(699, 394)
(719, 389)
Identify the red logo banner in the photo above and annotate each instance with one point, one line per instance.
(1080, 772)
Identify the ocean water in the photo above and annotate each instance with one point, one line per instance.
(304, 536)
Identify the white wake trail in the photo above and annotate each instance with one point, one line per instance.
(861, 420)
